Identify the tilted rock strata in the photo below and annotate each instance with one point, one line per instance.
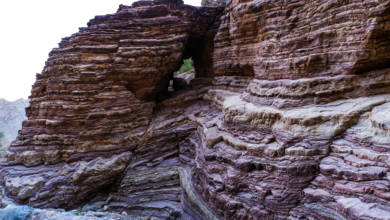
(354, 177)
(287, 117)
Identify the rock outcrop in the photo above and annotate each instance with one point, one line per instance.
(288, 116)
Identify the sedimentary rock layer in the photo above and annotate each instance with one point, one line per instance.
(287, 118)
(305, 52)
(91, 108)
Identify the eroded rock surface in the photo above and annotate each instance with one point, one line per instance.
(287, 118)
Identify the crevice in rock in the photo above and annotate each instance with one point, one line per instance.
(178, 81)
(200, 48)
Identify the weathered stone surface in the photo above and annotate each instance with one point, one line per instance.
(92, 105)
(14, 212)
(302, 52)
(287, 118)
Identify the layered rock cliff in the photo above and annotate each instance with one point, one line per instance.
(287, 118)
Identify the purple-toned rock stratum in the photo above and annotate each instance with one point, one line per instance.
(288, 116)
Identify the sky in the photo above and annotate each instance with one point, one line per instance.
(30, 29)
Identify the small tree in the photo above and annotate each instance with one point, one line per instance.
(1, 137)
(187, 66)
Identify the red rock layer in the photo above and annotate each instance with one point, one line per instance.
(325, 43)
(91, 106)
(288, 117)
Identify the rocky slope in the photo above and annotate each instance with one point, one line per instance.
(12, 114)
(287, 118)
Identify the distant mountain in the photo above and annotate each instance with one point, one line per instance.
(12, 115)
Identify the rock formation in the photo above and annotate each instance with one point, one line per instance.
(288, 116)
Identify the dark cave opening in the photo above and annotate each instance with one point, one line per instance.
(198, 49)
(162, 83)
(178, 80)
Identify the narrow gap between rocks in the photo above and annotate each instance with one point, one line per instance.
(196, 62)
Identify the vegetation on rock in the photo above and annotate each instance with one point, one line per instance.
(1, 146)
(1, 137)
(187, 66)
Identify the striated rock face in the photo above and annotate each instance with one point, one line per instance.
(288, 116)
(305, 53)
(91, 117)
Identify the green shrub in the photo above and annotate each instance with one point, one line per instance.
(187, 66)
(1, 137)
